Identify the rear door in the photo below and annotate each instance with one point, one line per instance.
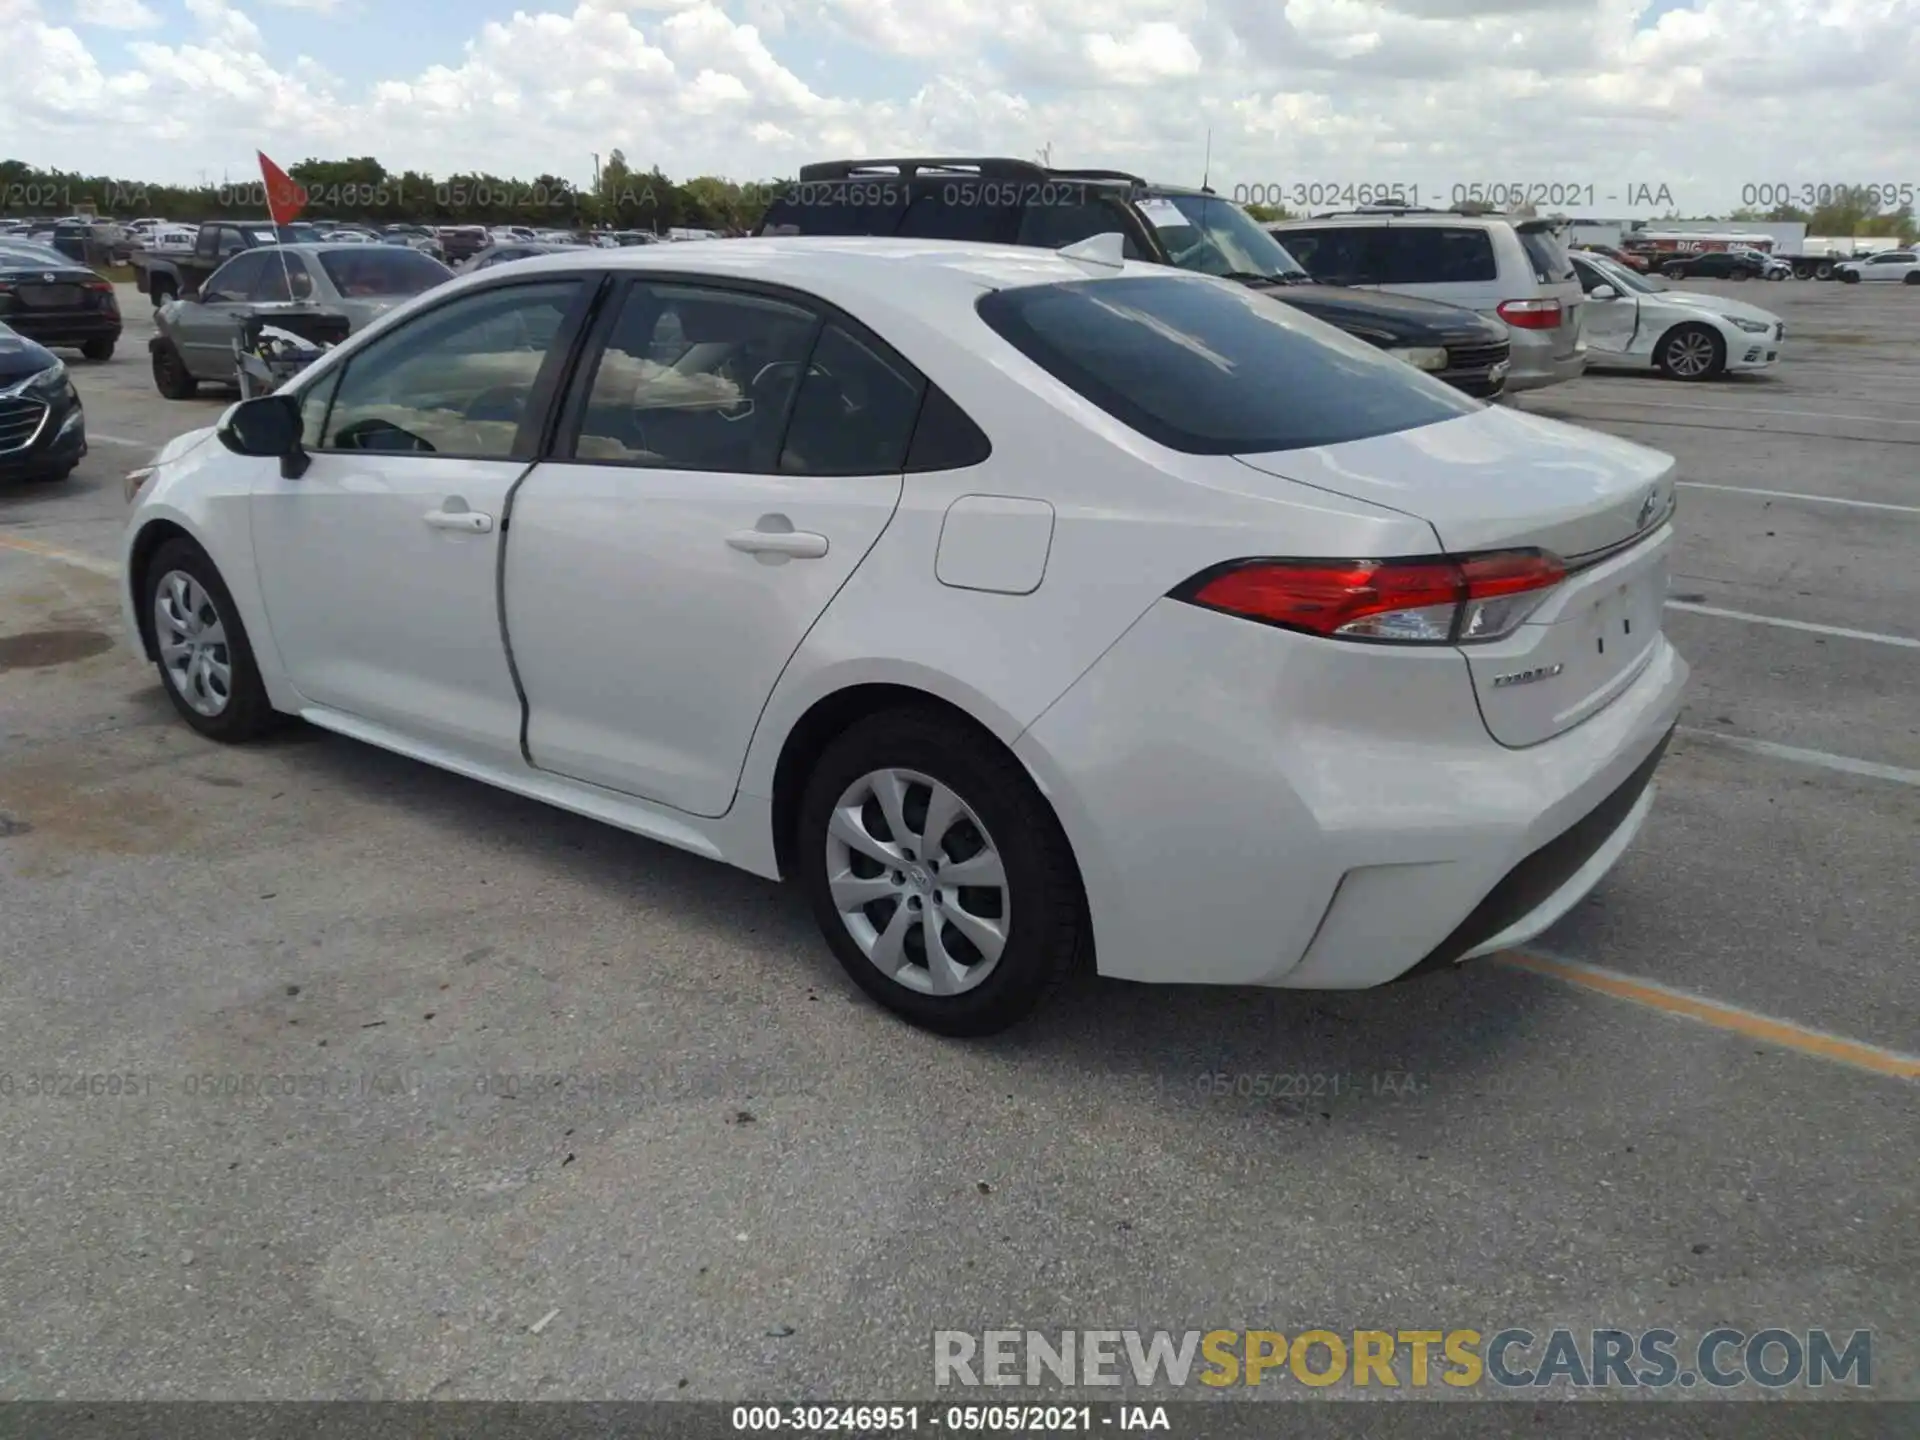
(728, 457)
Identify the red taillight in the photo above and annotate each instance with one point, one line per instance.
(1445, 600)
(1531, 314)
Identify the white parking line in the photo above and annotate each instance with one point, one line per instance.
(65, 557)
(95, 436)
(1637, 404)
(1844, 764)
(1844, 633)
(1796, 495)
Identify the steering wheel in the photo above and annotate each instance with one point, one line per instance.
(496, 402)
(377, 434)
(774, 383)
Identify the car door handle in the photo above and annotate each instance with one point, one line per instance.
(793, 544)
(467, 522)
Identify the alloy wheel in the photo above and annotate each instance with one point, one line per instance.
(1690, 355)
(192, 639)
(918, 882)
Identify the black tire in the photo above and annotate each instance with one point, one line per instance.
(1849, 277)
(98, 349)
(1823, 271)
(170, 376)
(247, 713)
(1912, 278)
(1670, 353)
(1044, 906)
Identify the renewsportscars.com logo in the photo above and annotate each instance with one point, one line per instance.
(1514, 1358)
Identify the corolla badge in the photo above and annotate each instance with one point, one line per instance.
(1527, 677)
(1648, 506)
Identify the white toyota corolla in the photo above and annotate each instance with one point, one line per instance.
(1024, 605)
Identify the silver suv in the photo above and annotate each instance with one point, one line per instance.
(1509, 269)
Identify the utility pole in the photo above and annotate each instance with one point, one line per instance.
(596, 173)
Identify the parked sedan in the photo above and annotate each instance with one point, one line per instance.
(43, 429)
(501, 253)
(57, 301)
(1717, 265)
(1633, 324)
(196, 333)
(945, 580)
(1899, 266)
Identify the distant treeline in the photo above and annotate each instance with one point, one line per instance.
(365, 190)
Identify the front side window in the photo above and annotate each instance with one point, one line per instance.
(696, 379)
(1052, 226)
(1214, 369)
(1337, 255)
(235, 280)
(455, 381)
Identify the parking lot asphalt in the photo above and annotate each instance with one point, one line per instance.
(537, 1065)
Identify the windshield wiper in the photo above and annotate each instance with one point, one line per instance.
(1261, 277)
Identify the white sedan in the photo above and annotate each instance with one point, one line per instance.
(1634, 322)
(1899, 266)
(1025, 607)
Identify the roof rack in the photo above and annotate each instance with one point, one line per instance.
(986, 167)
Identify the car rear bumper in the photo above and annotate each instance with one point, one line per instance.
(1536, 365)
(1251, 806)
(64, 327)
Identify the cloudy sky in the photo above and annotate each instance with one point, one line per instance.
(1704, 97)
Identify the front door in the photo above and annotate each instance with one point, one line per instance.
(205, 328)
(380, 564)
(1610, 324)
(732, 461)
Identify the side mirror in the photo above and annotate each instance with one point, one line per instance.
(267, 426)
(1603, 292)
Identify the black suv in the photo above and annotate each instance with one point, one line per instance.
(1015, 202)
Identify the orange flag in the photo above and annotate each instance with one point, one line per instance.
(286, 197)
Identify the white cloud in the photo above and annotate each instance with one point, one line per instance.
(1709, 96)
(116, 14)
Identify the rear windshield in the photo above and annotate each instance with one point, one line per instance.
(377, 270)
(1214, 369)
(1547, 255)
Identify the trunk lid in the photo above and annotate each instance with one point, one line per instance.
(1498, 479)
(1501, 479)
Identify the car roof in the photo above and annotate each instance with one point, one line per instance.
(827, 263)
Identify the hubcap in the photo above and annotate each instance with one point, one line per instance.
(918, 882)
(193, 643)
(1690, 354)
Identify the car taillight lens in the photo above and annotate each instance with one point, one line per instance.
(1531, 314)
(1445, 600)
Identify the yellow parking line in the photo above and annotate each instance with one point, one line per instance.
(65, 557)
(1784, 1033)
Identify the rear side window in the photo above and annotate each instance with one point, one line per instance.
(1214, 369)
(864, 207)
(1547, 256)
(1435, 255)
(958, 211)
(853, 414)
